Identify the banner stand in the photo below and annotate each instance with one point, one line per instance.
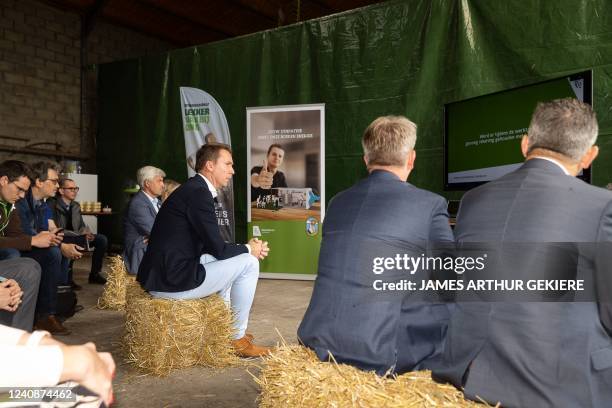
(286, 197)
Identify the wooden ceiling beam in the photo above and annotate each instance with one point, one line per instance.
(165, 9)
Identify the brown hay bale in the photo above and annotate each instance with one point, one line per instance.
(113, 296)
(163, 334)
(293, 376)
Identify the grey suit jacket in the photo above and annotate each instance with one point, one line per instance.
(379, 216)
(534, 354)
(137, 225)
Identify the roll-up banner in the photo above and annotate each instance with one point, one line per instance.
(286, 198)
(204, 122)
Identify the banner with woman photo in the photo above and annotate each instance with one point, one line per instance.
(286, 198)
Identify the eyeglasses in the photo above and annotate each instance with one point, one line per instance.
(54, 181)
(75, 189)
(19, 188)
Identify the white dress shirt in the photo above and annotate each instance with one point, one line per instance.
(154, 201)
(29, 365)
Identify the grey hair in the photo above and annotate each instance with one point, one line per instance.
(565, 126)
(388, 140)
(148, 173)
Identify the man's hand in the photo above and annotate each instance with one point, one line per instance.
(264, 178)
(89, 236)
(71, 251)
(46, 239)
(264, 250)
(5, 299)
(259, 249)
(10, 295)
(89, 368)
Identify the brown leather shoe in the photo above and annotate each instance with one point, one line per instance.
(245, 348)
(52, 325)
(249, 336)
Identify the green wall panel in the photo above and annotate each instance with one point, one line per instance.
(400, 57)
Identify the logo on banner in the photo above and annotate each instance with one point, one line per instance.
(195, 114)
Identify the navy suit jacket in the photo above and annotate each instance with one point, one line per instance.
(185, 229)
(137, 225)
(379, 216)
(535, 354)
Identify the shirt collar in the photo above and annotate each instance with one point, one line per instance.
(211, 188)
(151, 198)
(555, 162)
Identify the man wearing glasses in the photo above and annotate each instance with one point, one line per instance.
(14, 184)
(36, 217)
(67, 215)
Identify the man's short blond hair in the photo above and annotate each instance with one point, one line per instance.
(388, 140)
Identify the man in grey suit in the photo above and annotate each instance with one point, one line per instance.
(553, 354)
(381, 214)
(140, 216)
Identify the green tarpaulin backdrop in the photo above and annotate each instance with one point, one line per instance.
(400, 57)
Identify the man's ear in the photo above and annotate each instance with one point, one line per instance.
(525, 145)
(589, 156)
(411, 159)
(365, 160)
(4, 181)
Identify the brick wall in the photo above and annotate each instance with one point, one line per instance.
(40, 81)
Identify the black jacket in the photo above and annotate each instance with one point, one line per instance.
(185, 228)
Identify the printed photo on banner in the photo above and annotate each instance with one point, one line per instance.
(285, 164)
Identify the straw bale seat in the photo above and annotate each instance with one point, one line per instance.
(293, 376)
(163, 334)
(117, 280)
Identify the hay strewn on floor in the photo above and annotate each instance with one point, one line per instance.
(162, 335)
(293, 376)
(113, 296)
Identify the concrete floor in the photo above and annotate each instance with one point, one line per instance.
(279, 305)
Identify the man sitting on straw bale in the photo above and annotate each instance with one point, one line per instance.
(140, 216)
(535, 354)
(381, 214)
(187, 258)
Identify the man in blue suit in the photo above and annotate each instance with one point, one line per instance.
(186, 257)
(381, 214)
(140, 216)
(540, 354)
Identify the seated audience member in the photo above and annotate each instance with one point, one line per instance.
(67, 215)
(346, 318)
(187, 258)
(169, 186)
(140, 216)
(535, 354)
(37, 360)
(36, 218)
(266, 177)
(14, 183)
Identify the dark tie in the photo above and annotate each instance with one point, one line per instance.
(158, 204)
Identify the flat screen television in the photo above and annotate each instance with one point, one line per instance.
(482, 134)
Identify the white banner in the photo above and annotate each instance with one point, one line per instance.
(204, 122)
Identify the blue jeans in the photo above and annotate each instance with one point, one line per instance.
(9, 253)
(234, 279)
(50, 261)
